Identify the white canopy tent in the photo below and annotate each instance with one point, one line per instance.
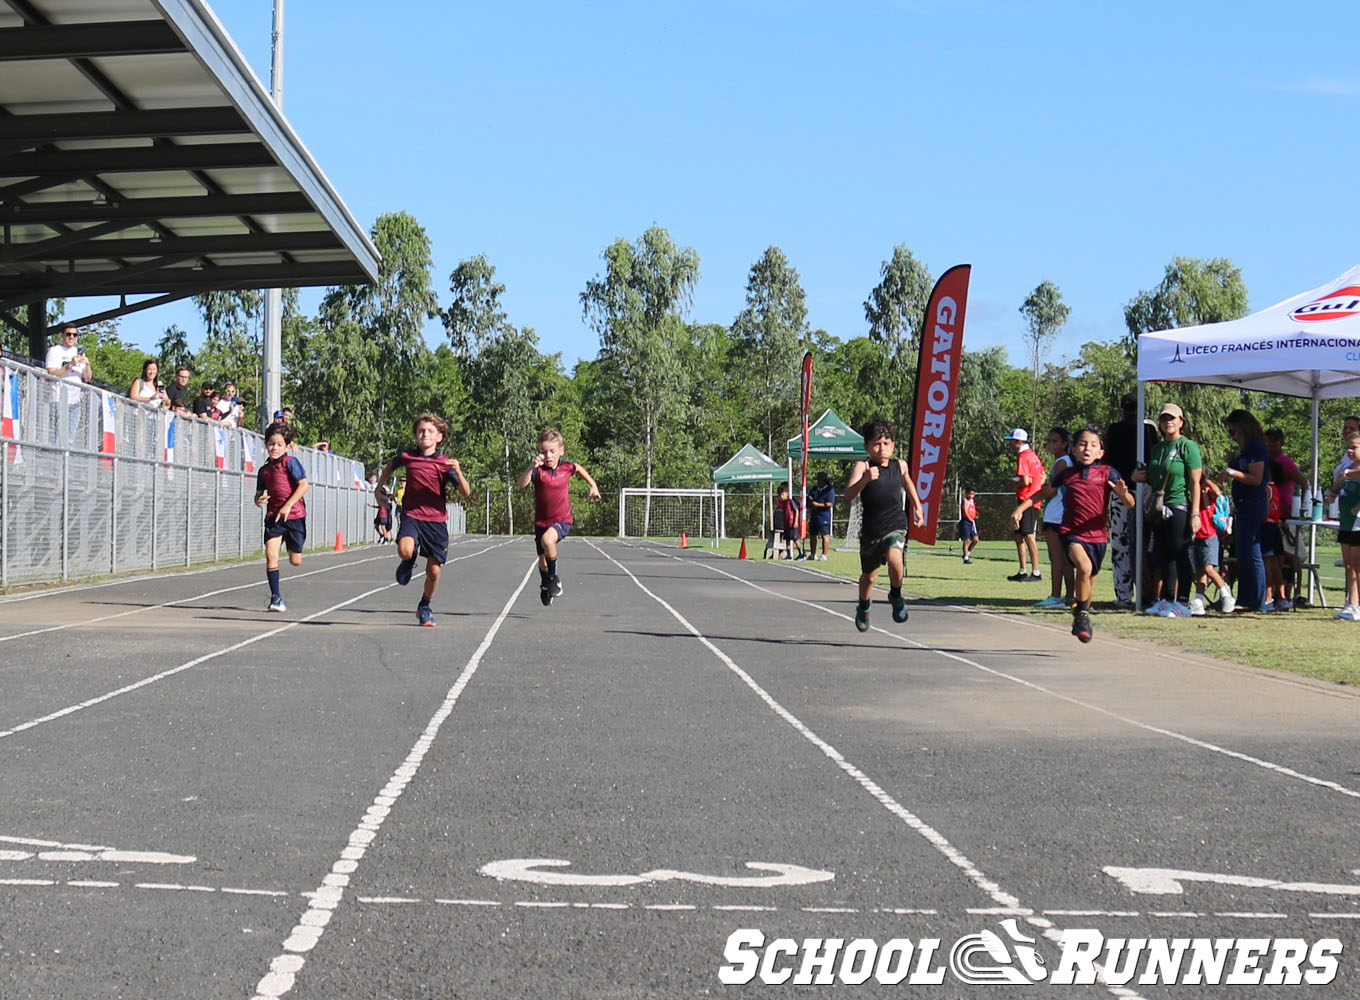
(1308, 346)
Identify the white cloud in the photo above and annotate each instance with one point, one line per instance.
(1329, 86)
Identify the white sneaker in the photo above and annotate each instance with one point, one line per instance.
(1157, 610)
(822, 557)
(1355, 613)
(1227, 602)
(1176, 610)
(1348, 613)
(1284, 604)
(1197, 606)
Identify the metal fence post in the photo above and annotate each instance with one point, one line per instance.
(155, 508)
(5, 519)
(188, 516)
(113, 516)
(65, 508)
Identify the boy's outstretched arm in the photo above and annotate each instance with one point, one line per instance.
(594, 493)
(918, 512)
(299, 491)
(528, 473)
(1122, 491)
(859, 478)
(460, 481)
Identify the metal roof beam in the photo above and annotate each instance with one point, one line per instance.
(153, 277)
(21, 131)
(81, 283)
(36, 251)
(89, 40)
(202, 156)
(190, 207)
(194, 246)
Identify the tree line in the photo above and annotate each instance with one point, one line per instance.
(668, 398)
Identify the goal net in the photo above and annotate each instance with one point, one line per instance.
(665, 513)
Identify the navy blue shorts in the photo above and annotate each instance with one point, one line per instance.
(817, 526)
(1095, 551)
(293, 531)
(967, 529)
(563, 530)
(1272, 542)
(432, 537)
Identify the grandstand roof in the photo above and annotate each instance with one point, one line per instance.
(139, 155)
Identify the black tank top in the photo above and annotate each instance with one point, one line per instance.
(884, 502)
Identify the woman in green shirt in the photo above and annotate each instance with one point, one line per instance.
(1176, 461)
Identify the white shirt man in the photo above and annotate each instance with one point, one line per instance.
(67, 361)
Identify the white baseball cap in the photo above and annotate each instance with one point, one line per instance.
(1019, 434)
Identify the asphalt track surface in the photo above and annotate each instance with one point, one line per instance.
(203, 800)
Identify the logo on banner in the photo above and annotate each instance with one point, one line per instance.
(1177, 360)
(1334, 305)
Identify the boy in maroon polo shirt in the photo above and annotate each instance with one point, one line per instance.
(279, 487)
(551, 475)
(424, 513)
(1085, 503)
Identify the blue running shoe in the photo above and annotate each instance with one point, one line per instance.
(404, 570)
(424, 615)
(276, 604)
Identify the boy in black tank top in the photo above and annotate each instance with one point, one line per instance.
(882, 483)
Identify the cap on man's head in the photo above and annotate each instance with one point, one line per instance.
(1172, 409)
(1128, 401)
(1019, 434)
(822, 477)
(278, 414)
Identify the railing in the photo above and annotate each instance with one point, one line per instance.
(93, 483)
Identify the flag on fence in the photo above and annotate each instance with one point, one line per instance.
(358, 476)
(108, 443)
(937, 387)
(248, 453)
(170, 446)
(9, 414)
(220, 447)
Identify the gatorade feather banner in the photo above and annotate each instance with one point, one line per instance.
(9, 413)
(807, 405)
(937, 384)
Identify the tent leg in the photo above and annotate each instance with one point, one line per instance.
(1138, 506)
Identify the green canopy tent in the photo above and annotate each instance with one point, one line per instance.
(828, 437)
(749, 465)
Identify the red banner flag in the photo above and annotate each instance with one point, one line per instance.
(807, 405)
(937, 384)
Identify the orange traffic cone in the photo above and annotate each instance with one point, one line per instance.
(742, 553)
(339, 541)
(684, 540)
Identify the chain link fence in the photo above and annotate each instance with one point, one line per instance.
(93, 483)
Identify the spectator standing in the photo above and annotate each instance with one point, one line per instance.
(1349, 426)
(1175, 465)
(68, 362)
(178, 389)
(1247, 470)
(821, 501)
(1272, 542)
(1346, 489)
(1060, 570)
(1121, 451)
(774, 541)
(1207, 546)
(147, 387)
(203, 402)
(1029, 481)
(968, 529)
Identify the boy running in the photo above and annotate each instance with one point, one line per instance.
(551, 475)
(424, 513)
(279, 487)
(1086, 499)
(883, 483)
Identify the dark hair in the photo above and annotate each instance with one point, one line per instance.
(1275, 434)
(782, 488)
(283, 430)
(440, 424)
(1063, 433)
(1355, 418)
(878, 428)
(1245, 424)
(1090, 429)
(150, 361)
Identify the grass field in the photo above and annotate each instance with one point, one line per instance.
(1306, 642)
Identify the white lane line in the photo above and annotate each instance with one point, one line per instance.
(1004, 900)
(190, 664)
(215, 593)
(284, 968)
(86, 622)
(1245, 758)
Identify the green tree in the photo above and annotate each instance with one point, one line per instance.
(771, 333)
(474, 315)
(172, 352)
(637, 308)
(1192, 292)
(1045, 313)
(895, 311)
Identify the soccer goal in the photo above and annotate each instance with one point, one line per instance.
(666, 513)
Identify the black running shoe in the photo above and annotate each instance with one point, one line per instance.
(545, 594)
(1081, 625)
(862, 616)
(556, 585)
(1018, 577)
(899, 606)
(404, 570)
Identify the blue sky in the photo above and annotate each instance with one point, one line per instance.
(1082, 143)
